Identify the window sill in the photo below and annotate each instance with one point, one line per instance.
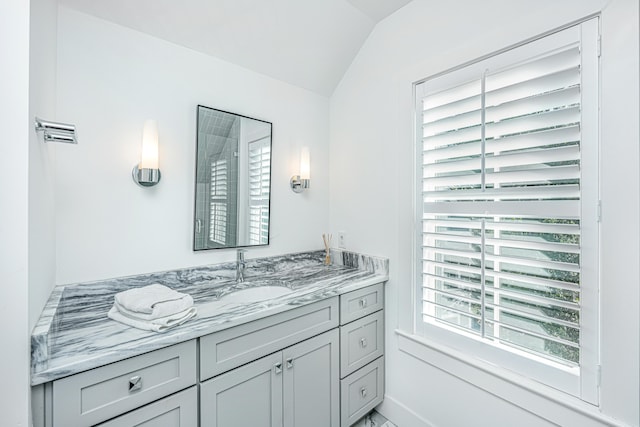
(516, 389)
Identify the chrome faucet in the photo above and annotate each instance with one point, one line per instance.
(240, 265)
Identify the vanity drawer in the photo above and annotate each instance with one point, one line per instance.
(97, 395)
(361, 391)
(360, 303)
(361, 342)
(180, 409)
(230, 348)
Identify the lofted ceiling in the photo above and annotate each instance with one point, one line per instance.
(307, 43)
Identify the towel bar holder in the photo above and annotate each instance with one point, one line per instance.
(56, 132)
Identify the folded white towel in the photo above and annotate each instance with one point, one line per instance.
(160, 324)
(152, 302)
(160, 310)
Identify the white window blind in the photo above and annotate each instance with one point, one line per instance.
(502, 179)
(259, 187)
(218, 202)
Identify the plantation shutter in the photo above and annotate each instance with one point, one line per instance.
(501, 204)
(259, 187)
(218, 202)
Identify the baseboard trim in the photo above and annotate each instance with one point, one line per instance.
(400, 415)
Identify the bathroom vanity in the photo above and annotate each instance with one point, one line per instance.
(312, 356)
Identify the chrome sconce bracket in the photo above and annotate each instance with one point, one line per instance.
(298, 185)
(146, 177)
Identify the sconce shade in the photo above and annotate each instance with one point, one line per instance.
(149, 158)
(305, 163)
(301, 182)
(147, 173)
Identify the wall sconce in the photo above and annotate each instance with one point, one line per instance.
(299, 183)
(146, 173)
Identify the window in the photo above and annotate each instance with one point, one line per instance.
(259, 183)
(218, 202)
(508, 184)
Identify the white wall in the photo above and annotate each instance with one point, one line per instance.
(371, 141)
(110, 79)
(14, 168)
(42, 103)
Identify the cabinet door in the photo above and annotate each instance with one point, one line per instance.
(312, 383)
(250, 395)
(178, 410)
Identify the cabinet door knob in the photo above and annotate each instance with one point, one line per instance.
(363, 392)
(363, 303)
(289, 363)
(135, 383)
(277, 368)
(363, 342)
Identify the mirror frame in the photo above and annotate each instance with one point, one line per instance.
(195, 197)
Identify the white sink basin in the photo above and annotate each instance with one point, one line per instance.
(258, 293)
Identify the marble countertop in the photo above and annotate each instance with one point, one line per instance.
(74, 333)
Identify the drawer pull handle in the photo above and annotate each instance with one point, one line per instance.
(135, 383)
(289, 363)
(363, 303)
(363, 392)
(363, 342)
(277, 368)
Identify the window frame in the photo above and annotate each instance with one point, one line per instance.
(581, 381)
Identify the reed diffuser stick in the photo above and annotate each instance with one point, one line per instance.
(326, 238)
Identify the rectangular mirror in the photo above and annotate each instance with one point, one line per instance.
(233, 180)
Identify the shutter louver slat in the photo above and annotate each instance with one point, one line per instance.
(465, 292)
(557, 136)
(554, 208)
(523, 244)
(533, 122)
(534, 157)
(461, 106)
(533, 104)
(452, 95)
(519, 193)
(529, 333)
(532, 226)
(569, 134)
(448, 124)
(537, 157)
(453, 166)
(563, 79)
(565, 59)
(526, 176)
(458, 137)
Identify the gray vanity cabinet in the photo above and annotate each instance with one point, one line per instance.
(315, 365)
(361, 352)
(282, 370)
(298, 386)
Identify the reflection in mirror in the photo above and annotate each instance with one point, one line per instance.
(233, 180)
